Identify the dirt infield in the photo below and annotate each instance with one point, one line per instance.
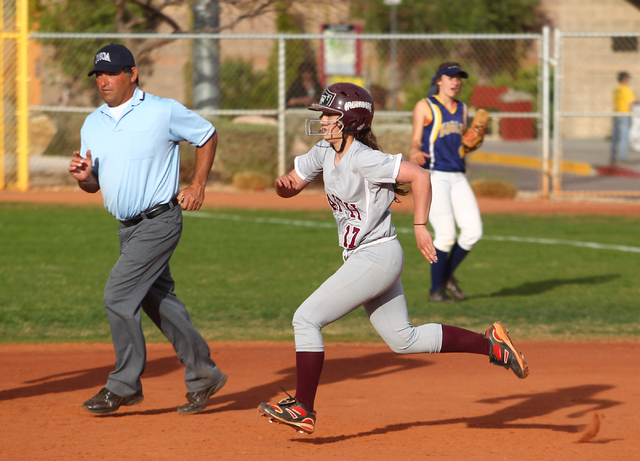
(313, 200)
(372, 404)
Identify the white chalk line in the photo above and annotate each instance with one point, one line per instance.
(405, 230)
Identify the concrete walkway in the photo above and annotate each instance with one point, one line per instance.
(585, 166)
(592, 152)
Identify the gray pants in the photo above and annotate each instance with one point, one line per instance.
(141, 279)
(370, 277)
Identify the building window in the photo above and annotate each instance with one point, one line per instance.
(623, 44)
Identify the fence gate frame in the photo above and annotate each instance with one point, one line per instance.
(559, 115)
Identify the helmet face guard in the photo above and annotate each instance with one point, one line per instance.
(353, 105)
(319, 127)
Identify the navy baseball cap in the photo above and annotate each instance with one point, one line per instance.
(112, 58)
(450, 70)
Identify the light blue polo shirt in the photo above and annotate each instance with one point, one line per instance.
(137, 158)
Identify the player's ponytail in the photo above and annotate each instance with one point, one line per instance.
(369, 139)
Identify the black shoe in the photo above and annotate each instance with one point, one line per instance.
(198, 401)
(106, 401)
(440, 295)
(454, 289)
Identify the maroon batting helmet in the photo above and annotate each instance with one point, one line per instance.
(352, 103)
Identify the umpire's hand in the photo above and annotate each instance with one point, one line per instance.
(191, 198)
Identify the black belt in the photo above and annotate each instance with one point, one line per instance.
(150, 213)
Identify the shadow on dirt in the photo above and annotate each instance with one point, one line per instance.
(335, 370)
(511, 417)
(88, 378)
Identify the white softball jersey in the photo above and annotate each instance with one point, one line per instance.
(359, 190)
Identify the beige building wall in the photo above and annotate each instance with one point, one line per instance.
(311, 15)
(589, 65)
(169, 75)
(257, 52)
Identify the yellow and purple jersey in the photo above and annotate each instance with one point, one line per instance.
(442, 136)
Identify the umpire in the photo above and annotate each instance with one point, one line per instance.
(130, 151)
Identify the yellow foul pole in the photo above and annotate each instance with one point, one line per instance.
(22, 83)
(2, 132)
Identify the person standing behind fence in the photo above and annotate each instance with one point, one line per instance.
(436, 144)
(306, 88)
(623, 98)
(130, 151)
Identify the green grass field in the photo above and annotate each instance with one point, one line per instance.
(243, 273)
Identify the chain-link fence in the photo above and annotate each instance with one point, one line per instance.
(586, 73)
(260, 98)
(263, 91)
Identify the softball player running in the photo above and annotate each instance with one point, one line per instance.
(438, 124)
(360, 184)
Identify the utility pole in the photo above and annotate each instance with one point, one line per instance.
(206, 56)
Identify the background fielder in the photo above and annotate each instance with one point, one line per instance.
(436, 144)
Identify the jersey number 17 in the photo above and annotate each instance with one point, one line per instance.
(354, 231)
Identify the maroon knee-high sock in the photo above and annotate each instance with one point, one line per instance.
(308, 370)
(455, 339)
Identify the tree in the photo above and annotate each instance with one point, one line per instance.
(451, 16)
(97, 16)
(487, 58)
(120, 16)
(245, 87)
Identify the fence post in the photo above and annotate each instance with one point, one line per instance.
(557, 122)
(394, 57)
(545, 112)
(22, 82)
(282, 74)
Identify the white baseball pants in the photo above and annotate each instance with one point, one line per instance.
(369, 277)
(454, 203)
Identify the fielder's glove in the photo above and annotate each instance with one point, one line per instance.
(473, 137)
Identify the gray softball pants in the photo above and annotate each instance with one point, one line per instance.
(141, 279)
(369, 277)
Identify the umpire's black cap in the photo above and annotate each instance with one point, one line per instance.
(112, 58)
